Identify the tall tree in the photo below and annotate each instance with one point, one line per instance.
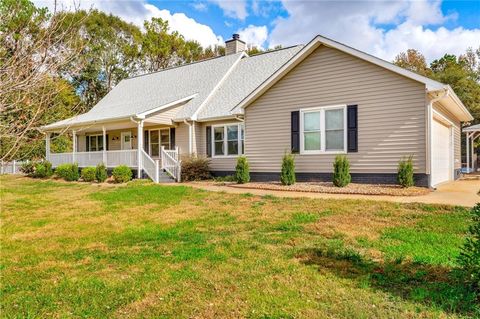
(460, 76)
(414, 61)
(111, 53)
(34, 49)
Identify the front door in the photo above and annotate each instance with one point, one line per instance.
(126, 140)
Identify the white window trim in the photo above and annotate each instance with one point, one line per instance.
(225, 140)
(159, 140)
(90, 141)
(322, 110)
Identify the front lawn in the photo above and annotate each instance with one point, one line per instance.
(143, 250)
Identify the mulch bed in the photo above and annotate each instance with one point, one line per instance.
(329, 188)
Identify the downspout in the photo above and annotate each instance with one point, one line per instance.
(189, 136)
(430, 125)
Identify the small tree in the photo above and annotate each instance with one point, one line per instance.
(287, 175)
(242, 170)
(101, 173)
(469, 257)
(405, 172)
(341, 171)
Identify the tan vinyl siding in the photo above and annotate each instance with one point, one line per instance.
(164, 116)
(181, 138)
(216, 163)
(114, 140)
(391, 114)
(456, 133)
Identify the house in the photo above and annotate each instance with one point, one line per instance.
(317, 101)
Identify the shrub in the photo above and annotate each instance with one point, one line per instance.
(42, 170)
(287, 175)
(195, 168)
(469, 258)
(341, 171)
(242, 170)
(122, 174)
(68, 172)
(101, 173)
(405, 172)
(28, 168)
(88, 174)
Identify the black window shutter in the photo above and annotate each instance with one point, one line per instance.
(295, 131)
(352, 128)
(106, 137)
(172, 138)
(145, 141)
(209, 141)
(87, 143)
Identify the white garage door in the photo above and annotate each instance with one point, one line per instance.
(442, 153)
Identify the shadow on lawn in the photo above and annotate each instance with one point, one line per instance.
(432, 285)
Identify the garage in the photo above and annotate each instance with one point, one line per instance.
(442, 152)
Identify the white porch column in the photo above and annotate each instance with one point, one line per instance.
(104, 146)
(139, 148)
(471, 149)
(47, 146)
(467, 145)
(74, 146)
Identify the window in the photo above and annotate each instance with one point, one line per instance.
(159, 138)
(95, 143)
(228, 140)
(323, 130)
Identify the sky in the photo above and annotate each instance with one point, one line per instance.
(381, 28)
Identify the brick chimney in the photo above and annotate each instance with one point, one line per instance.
(234, 45)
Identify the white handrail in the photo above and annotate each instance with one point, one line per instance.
(170, 162)
(150, 166)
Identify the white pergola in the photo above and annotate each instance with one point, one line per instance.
(471, 134)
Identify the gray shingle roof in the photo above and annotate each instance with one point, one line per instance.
(143, 93)
(246, 76)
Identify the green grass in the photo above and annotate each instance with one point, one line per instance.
(142, 250)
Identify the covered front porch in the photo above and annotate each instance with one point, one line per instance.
(144, 146)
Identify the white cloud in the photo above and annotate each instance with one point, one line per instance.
(254, 35)
(138, 11)
(233, 8)
(361, 24)
(200, 6)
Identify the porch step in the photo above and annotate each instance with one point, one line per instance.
(164, 177)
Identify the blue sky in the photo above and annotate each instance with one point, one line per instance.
(382, 28)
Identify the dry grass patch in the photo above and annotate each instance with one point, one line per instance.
(143, 250)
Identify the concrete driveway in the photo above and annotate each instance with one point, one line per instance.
(460, 193)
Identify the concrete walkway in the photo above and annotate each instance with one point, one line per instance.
(460, 193)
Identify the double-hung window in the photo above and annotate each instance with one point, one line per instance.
(228, 140)
(323, 130)
(95, 143)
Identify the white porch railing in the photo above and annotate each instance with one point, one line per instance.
(113, 158)
(150, 167)
(123, 157)
(170, 162)
(60, 158)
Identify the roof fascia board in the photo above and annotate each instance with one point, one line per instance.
(218, 118)
(82, 124)
(165, 106)
(210, 95)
